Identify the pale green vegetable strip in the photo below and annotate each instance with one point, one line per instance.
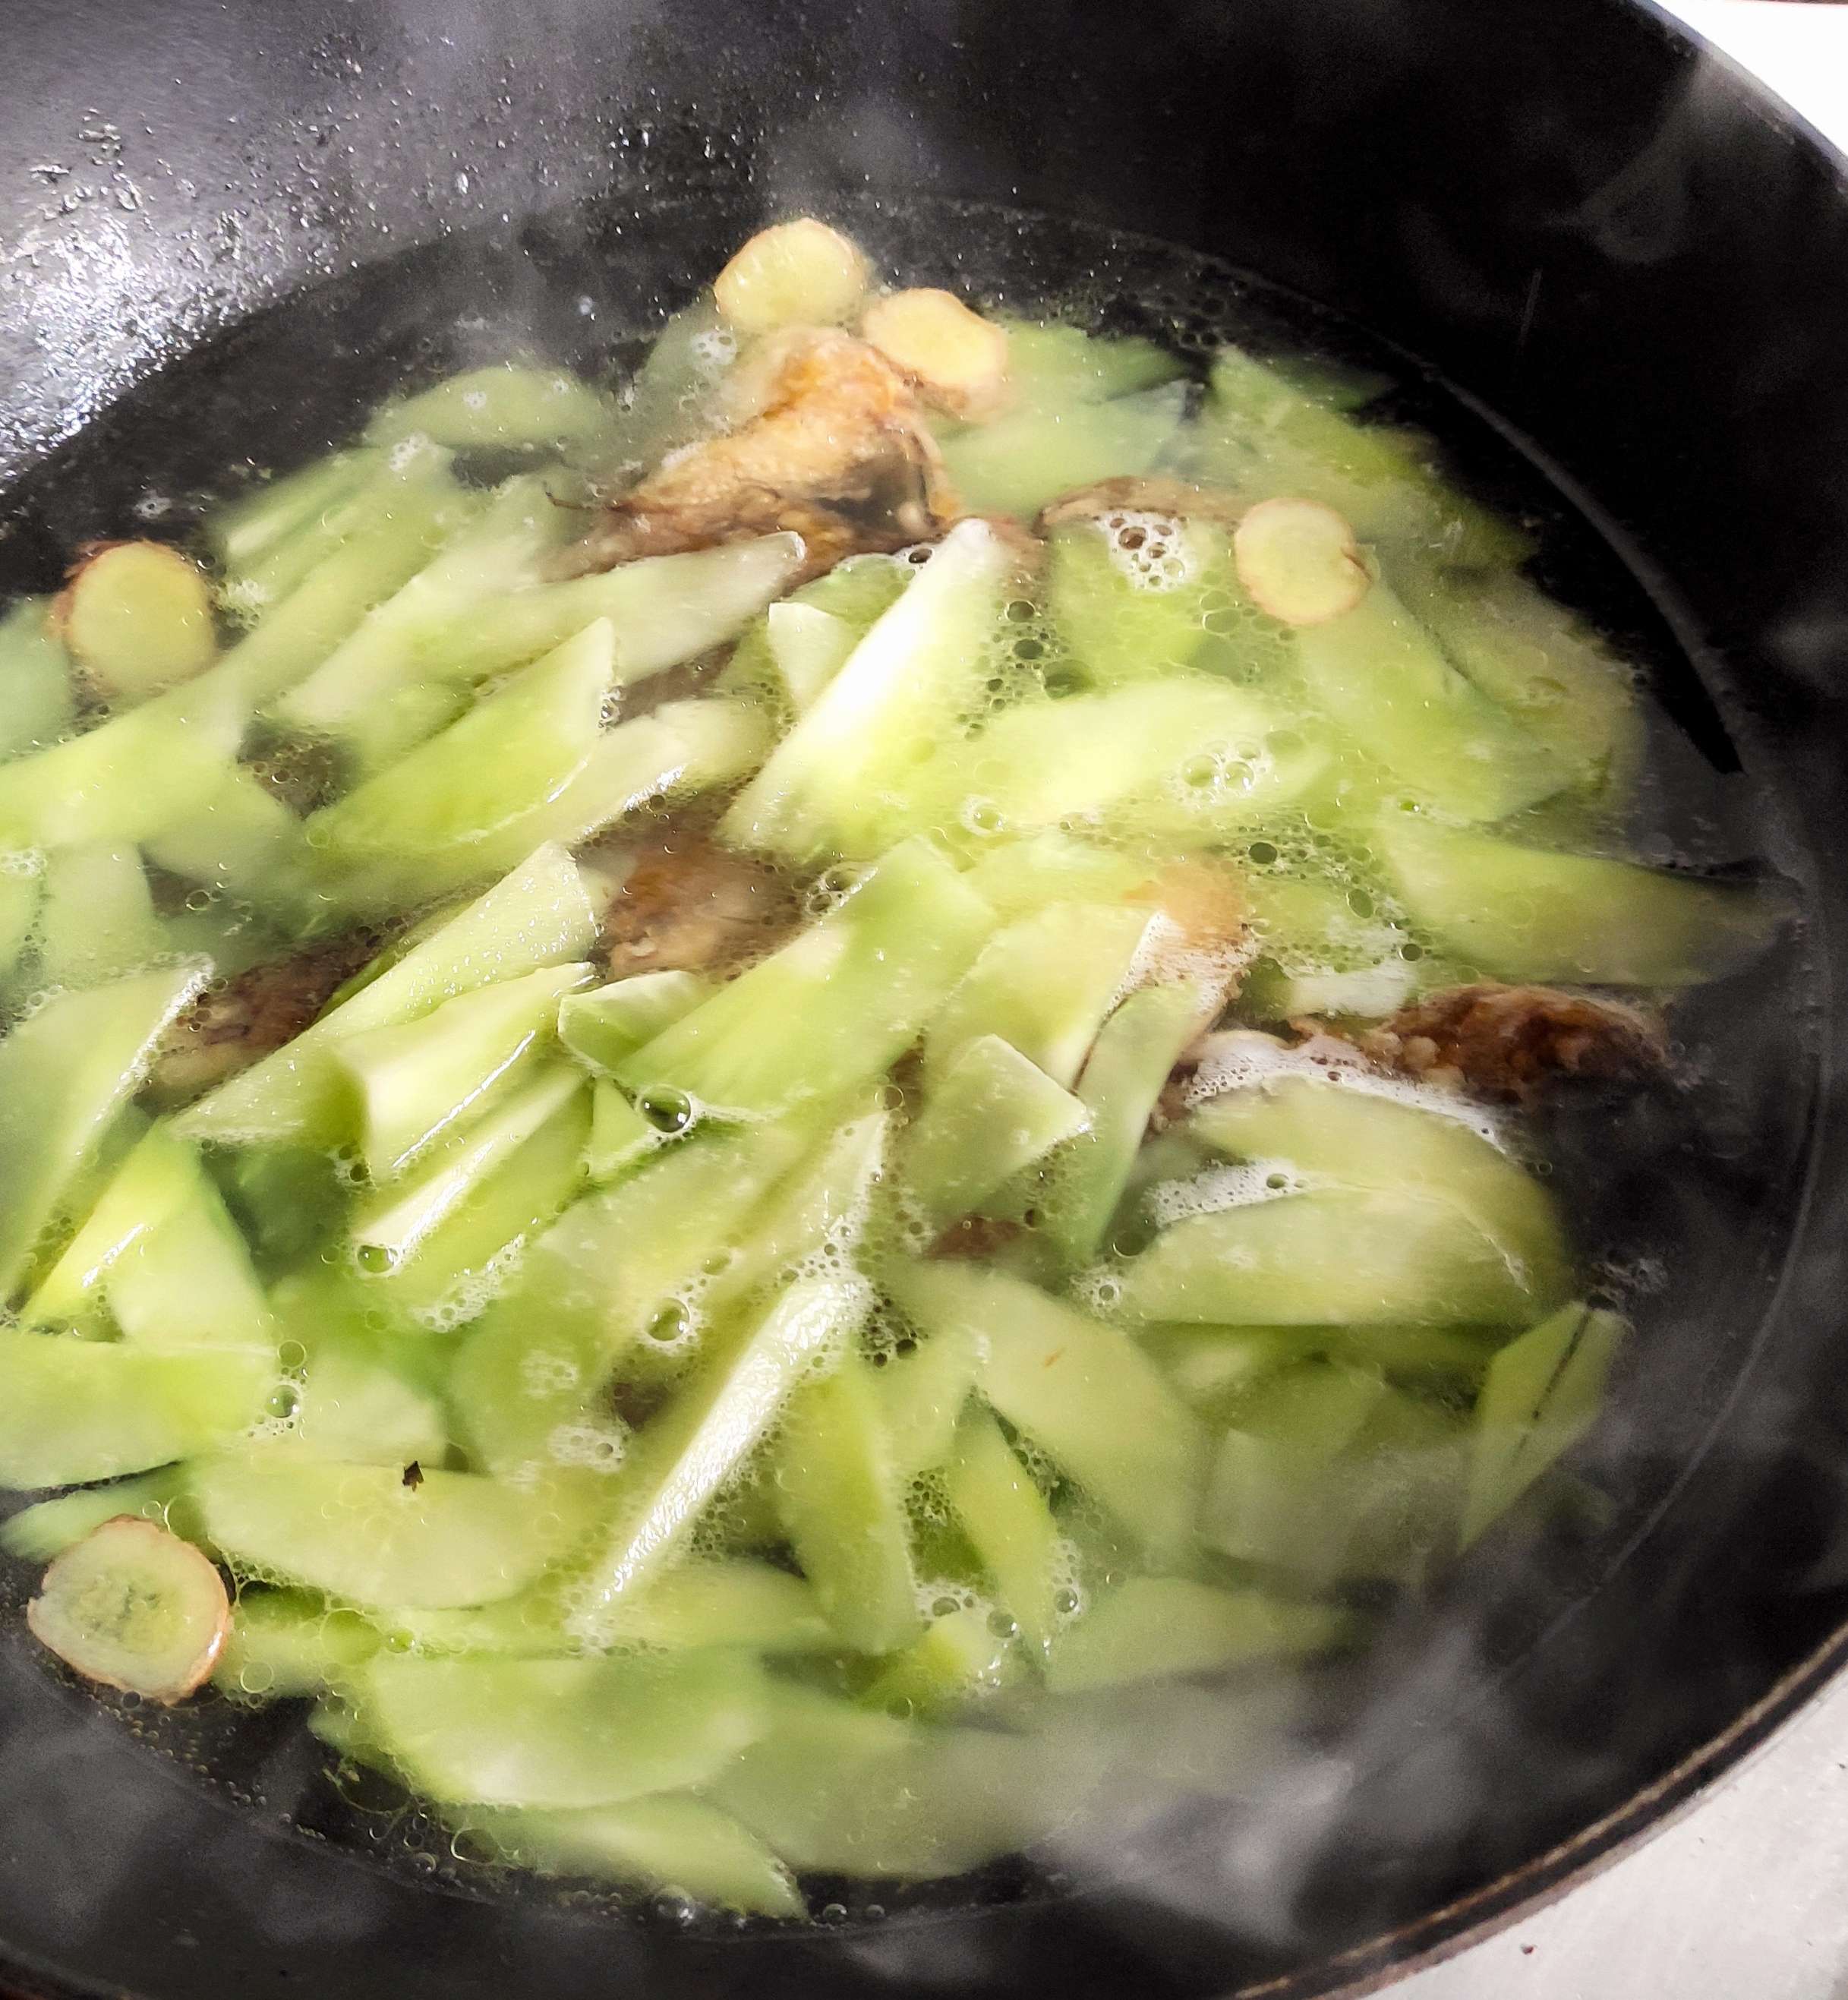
(735, 1602)
(380, 664)
(559, 1733)
(958, 1658)
(682, 747)
(284, 1643)
(1330, 1255)
(991, 1116)
(834, 1007)
(515, 751)
(1135, 1053)
(38, 1533)
(466, 1260)
(64, 1074)
(414, 1079)
(1009, 1525)
(360, 1533)
(808, 647)
(923, 1393)
(919, 670)
(504, 407)
(395, 1223)
(1275, 1475)
(1153, 1627)
(1263, 437)
(1527, 653)
(406, 517)
(36, 700)
(240, 531)
(841, 1504)
(620, 1136)
(1540, 1395)
(160, 1176)
(1043, 984)
(21, 892)
(1348, 1137)
(1017, 464)
(1051, 366)
(1530, 913)
(97, 919)
(599, 1028)
(840, 1788)
(1020, 877)
(243, 839)
(1382, 680)
(78, 1410)
(129, 776)
(533, 1367)
(1080, 1390)
(693, 1447)
(666, 609)
(1125, 624)
(1189, 759)
(539, 914)
(674, 1842)
(360, 1404)
(187, 1281)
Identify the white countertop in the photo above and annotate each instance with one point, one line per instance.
(1745, 1898)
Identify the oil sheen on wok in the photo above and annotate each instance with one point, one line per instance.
(728, 1095)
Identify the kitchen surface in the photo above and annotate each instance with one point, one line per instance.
(1745, 1897)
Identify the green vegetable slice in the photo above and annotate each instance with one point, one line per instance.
(1080, 1390)
(841, 1504)
(1153, 1627)
(696, 1445)
(65, 1072)
(676, 1844)
(1009, 1525)
(363, 1535)
(1532, 913)
(991, 1115)
(539, 914)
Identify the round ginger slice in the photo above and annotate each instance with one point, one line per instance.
(956, 357)
(138, 617)
(133, 1607)
(800, 273)
(1299, 561)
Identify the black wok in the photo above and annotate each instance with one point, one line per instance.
(222, 221)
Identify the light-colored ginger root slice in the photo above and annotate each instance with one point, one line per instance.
(138, 617)
(133, 1607)
(957, 359)
(1299, 561)
(800, 273)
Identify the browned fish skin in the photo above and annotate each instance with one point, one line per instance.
(1511, 1042)
(229, 1027)
(836, 448)
(689, 906)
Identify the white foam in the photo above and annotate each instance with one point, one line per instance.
(1153, 551)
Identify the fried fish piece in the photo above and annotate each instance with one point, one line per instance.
(830, 441)
(687, 905)
(229, 1027)
(1511, 1042)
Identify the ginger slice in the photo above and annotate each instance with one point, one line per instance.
(794, 273)
(957, 359)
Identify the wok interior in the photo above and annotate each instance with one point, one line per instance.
(1547, 1696)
